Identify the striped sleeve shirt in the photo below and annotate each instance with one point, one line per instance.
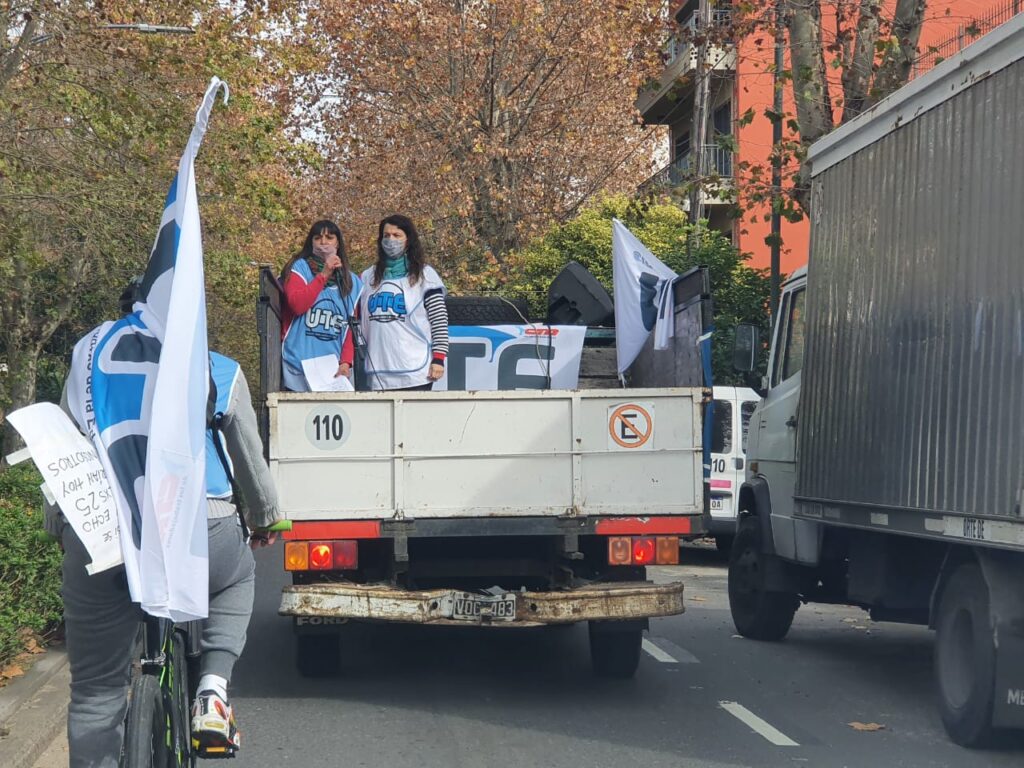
(437, 314)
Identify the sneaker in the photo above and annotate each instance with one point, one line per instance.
(214, 731)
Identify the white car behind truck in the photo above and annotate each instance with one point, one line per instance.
(886, 459)
(733, 407)
(491, 508)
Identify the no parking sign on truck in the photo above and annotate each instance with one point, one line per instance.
(631, 426)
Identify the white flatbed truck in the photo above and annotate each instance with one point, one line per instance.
(491, 508)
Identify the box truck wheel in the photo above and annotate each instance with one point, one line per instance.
(965, 657)
(756, 612)
(615, 650)
(318, 655)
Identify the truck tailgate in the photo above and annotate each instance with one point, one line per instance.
(395, 455)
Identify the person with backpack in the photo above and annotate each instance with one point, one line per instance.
(321, 294)
(101, 620)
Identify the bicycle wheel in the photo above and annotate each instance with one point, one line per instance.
(178, 698)
(146, 729)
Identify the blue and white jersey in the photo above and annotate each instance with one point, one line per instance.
(320, 330)
(224, 371)
(120, 358)
(397, 329)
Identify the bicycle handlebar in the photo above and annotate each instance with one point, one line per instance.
(281, 525)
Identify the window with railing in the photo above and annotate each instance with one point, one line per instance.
(717, 162)
(680, 43)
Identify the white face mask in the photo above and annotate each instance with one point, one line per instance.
(323, 251)
(392, 248)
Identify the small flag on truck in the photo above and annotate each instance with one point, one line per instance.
(643, 296)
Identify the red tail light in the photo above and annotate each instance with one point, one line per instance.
(321, 556)
(346, 555)
(643, 550)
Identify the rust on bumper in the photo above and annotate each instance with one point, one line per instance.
(385, 603)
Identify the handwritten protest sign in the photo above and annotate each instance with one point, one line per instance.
(74, 479)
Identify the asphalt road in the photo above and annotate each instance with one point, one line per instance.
(450, 698)
(421, 696)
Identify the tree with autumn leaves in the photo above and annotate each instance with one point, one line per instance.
(485, 120)
(94, 113)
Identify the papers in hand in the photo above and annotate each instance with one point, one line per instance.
(320, 375)
(74, 479)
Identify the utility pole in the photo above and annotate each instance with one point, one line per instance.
(699, 130)
(776, 224)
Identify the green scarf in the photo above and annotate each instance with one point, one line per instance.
(395, 269)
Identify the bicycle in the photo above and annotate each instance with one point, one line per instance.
(158, 725)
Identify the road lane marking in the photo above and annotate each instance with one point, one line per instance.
(657, 653)
(759, 726)
(682, 656)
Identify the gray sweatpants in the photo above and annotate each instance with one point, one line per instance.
(102, 625)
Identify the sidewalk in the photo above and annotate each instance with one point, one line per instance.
(33, 711)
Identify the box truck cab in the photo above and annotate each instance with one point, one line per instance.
(733, 407)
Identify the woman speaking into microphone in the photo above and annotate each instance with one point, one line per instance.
(321, 293)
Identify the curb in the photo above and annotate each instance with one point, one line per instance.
(33, 709)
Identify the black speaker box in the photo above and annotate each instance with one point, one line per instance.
(577, 298)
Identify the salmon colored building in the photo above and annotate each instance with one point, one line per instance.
(740, 79)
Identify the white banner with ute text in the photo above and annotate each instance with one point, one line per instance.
(493, 357)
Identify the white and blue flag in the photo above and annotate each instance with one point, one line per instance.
(643, 296)
(138, 387)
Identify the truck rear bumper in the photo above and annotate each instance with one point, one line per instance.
(616, 601)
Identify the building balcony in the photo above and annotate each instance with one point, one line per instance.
(718, 170)
(657, 101)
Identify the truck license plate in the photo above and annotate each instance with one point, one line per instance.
(717, 505)
(470, 607)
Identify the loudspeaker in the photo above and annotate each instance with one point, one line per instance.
(577, 298)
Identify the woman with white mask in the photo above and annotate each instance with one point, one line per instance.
(404, 318)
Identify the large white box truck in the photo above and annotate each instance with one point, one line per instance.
(886, 458)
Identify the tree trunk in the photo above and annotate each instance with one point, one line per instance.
(10, 62)
(897, 63)
(493, 218)
(858, 71)
(810, 87)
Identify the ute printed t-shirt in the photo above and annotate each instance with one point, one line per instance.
(397, 329)
(320, 330)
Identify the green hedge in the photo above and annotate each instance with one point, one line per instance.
(29, 563)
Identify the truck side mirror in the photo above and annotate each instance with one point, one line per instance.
(746, 342)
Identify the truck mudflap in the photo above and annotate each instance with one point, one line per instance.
(597, 601)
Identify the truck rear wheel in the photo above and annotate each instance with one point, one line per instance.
(318, 655)
(614, 651)
(965, 657)
(756, 612)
